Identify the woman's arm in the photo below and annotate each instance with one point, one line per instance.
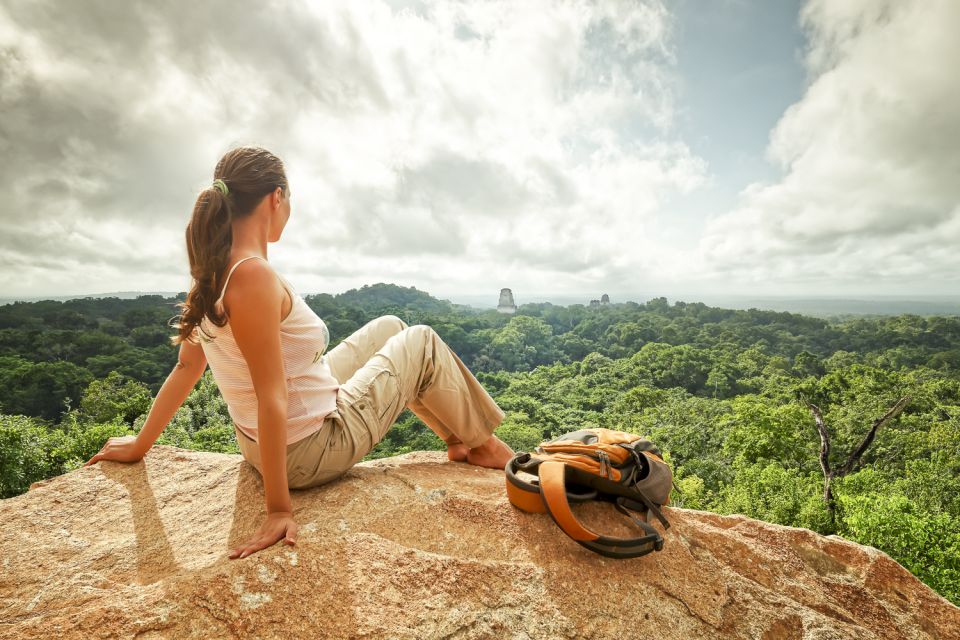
(190, 365)
(254, 301)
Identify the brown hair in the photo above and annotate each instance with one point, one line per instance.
(250, 173)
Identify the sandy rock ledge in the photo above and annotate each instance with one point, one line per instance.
(416, 547)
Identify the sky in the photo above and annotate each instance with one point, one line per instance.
(637, 148)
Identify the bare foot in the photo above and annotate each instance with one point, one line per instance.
(456, 450)
(493, 454)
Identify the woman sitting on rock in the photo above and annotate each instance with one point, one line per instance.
(302, 418)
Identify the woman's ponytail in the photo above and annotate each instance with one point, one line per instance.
(242, 178)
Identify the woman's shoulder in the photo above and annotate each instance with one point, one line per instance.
(242, 268)
(252, 287)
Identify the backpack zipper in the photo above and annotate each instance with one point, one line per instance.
(602, 456)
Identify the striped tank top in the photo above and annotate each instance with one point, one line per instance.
(311, 387)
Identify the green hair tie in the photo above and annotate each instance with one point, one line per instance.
(221, 186)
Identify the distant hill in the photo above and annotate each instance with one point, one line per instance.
(123, 295)
(369, 297)
(381, 295)
(842, 307)
(817, 307)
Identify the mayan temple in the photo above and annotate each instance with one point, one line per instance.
(506, 304)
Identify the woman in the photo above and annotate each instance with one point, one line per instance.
(302, 418)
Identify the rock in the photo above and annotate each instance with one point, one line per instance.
(416, 547)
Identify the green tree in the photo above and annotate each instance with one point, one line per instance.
(202, 420)
(115, 396)
(927, 544)
(27, 453)
(40, 389)
(768, 491)
(523, 344)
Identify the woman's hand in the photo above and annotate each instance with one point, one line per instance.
(278, 525)
(119, 449)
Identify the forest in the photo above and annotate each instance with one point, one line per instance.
(844, 426)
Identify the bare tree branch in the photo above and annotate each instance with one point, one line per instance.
(824, 440)
(868, 439)
(854, 458)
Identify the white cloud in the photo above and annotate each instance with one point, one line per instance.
(448, 145)
(870, 197)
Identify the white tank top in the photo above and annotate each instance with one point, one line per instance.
(311, 387)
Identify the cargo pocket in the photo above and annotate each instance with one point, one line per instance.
(378, 406)
(337, 439)
(325, 456)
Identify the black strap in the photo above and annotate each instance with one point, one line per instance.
(652, 507)
(623, 506)
(631, 492)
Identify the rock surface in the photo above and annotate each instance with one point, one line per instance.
(416, 547)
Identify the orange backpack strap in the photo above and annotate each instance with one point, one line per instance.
(526, 495)
(522, 494)
(554, 495)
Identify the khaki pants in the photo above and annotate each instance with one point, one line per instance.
(383, 368)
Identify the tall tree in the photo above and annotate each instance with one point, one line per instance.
(829, 472)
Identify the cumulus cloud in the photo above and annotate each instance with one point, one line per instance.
(870, 196)
(450, 145)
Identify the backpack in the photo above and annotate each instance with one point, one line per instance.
(595, 464)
